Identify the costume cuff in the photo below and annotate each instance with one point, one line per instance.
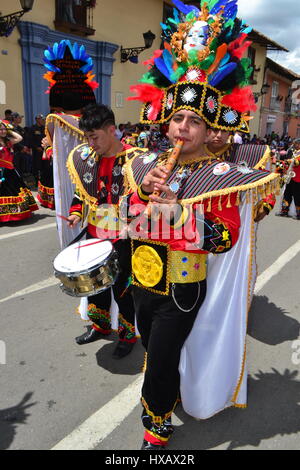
(142, 194)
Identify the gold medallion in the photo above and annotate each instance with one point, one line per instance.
(147, 266)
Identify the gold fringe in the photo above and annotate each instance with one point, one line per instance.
(220, 204)
(144, 368)
(260, 185)
(209, 206)
(73, 130)
(264, 160)
(247, 196)
(84, 196)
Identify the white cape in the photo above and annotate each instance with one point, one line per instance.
(64, 189)
(64, 134)
(213, 360)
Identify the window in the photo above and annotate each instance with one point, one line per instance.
(275, 102)
(275, 90)
(75, 16)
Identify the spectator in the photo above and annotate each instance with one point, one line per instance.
(120, 131)
(7, 115)
(237, 138)
(143, 137)
(37, 133)
(21, 149)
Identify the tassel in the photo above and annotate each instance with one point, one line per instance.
(247, 196)
(237, 202)
(255, 196)
(220, 204)
(228, 202)
(209, 205)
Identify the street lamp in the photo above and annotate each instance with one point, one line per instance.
(132, 53)
(9, 22)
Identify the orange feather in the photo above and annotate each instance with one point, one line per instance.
(221, 52)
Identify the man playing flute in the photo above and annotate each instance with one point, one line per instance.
(179, 214)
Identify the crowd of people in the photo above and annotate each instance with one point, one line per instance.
(32, 158)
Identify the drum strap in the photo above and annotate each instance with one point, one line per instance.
(82, 233)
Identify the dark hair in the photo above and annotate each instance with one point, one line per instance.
(96, 116)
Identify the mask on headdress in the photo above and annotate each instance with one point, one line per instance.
(201, 68)
(70, 76)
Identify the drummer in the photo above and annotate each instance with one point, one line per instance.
(96, 169)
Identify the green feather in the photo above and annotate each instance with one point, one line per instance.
(243, 72)
(179, 71)
(147, 78)
(210, 3)
(190, 16)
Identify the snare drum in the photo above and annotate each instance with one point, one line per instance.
(87, 268)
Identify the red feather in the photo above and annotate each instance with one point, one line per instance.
(156, 54)
(241, 99)
(237, 48)
(148, 94)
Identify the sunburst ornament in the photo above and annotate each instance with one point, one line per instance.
(188, 95)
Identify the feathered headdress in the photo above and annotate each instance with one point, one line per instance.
(70, 76)
(201, 67)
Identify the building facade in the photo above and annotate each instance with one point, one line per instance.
(280, 113)
(103, 27)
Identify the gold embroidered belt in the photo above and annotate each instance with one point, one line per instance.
(155, 266)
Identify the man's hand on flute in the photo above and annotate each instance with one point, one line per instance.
(158, 175)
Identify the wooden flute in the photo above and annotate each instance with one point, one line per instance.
(171, 162)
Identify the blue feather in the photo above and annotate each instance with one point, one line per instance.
(185, 9)
(50, 52)
(162, 67)
(52, 68)
(168, 59)
(81, 52)
(61, 50)
(222, 73)
(231, 12)
(220, 4)
(48, 55)
(247, 30)
(176, 15)
(224, 60)
(55, 50)
(75, 51)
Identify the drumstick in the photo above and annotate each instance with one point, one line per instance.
(171, 162)
(62, 217)
(89, 244)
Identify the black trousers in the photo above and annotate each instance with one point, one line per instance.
(292, 190)
(123, 296)
(164, 327)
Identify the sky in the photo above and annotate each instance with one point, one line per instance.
(280, 21)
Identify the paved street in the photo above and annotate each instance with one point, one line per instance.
(50, 387)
